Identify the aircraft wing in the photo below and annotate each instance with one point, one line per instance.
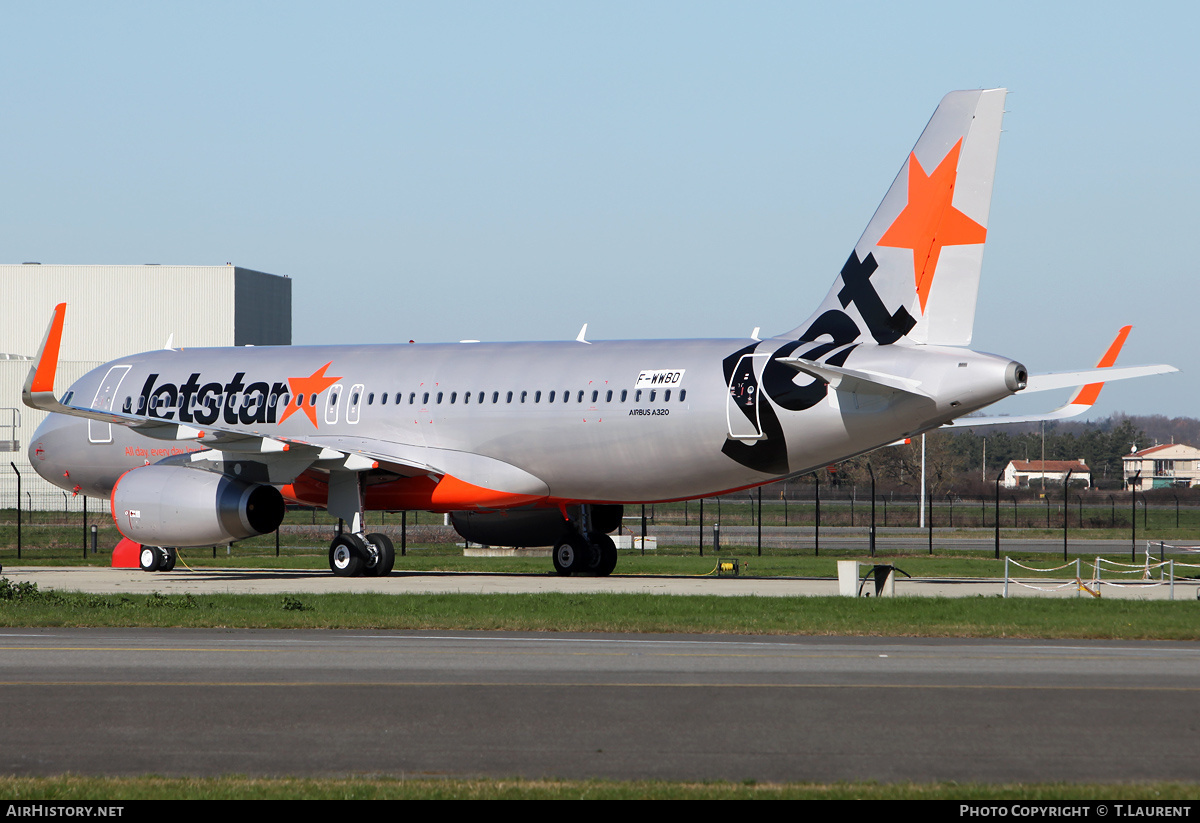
(1089, 381)
(279, 459)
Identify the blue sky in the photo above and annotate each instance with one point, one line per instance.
(510, 171)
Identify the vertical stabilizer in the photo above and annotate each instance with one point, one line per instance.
(915, 271)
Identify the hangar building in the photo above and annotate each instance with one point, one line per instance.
(114, 311)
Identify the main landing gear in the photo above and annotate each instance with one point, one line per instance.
(354, 553)
(354, 556)
(586, 548)
(594, 554)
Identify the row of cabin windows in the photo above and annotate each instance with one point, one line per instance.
(523, 397)
(215, 402)
(252, 401)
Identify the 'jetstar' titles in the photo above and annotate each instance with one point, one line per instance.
(234, 401)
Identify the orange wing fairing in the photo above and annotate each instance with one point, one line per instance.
(422, 493)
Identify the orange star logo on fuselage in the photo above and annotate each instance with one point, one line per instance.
(305, 391)
(930, 221)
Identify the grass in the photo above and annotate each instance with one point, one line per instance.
(75, 788)
(24, 605)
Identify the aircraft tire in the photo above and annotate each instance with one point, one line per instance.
(387, 556)
(167, 560)
(571, 555)
(606, 555)
(347, 556)
(149, 559)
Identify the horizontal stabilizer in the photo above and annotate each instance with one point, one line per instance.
(1089, 382)
(1071, 379)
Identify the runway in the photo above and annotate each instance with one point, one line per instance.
(211, 702)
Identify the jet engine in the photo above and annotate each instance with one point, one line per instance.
(530, 527)
(178, 506)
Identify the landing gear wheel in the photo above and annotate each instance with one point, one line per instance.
(606, 555)
(167, 561)
(149, 559)
(347, 555)
(571, 555)
(381, 561)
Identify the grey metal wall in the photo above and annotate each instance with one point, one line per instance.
(262, 309)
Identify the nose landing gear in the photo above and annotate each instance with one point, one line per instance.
(156, 559)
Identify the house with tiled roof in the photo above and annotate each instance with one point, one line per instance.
(1172, 464)
(1020, 473)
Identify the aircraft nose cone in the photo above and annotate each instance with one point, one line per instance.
(48, 450)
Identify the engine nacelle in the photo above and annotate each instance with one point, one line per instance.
(529, 527)
(178, 506)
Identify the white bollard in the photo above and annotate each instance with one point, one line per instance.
(848, 578)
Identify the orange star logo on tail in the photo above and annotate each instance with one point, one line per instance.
(929, 221)
(305, 391)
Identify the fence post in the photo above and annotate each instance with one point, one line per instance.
(643, 529)
(817, 516)
(760, 521)
(18, 473)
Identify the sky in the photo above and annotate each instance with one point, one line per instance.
(510, 171)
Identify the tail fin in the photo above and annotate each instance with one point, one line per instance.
(915, 271)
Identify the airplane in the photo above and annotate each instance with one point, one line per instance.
(543, 443)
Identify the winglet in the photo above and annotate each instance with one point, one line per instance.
(1087, 395)
(39, 385)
